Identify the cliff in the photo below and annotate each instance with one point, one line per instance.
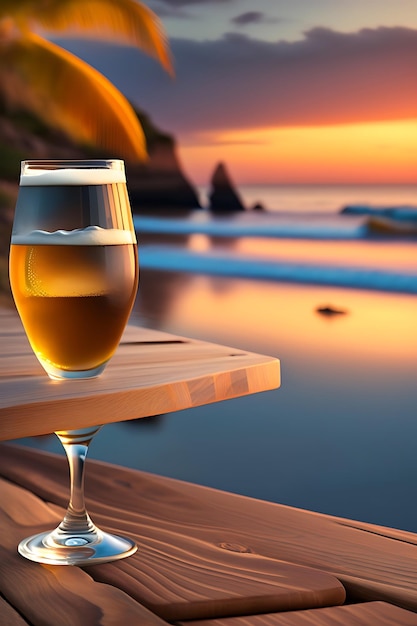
(158, 183)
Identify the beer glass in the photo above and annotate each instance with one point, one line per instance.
(74, 277)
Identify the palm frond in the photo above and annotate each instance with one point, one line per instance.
(126, 21)
(75, 97)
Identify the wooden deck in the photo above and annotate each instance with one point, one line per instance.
(205, 558)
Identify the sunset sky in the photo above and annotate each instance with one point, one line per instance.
(282, 91)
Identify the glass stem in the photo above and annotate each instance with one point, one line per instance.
(75, 444)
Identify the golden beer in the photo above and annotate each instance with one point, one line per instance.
(73, 300)
(73, 262)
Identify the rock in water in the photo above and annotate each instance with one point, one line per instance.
(258, 206)
(330, 311)
(223, 196)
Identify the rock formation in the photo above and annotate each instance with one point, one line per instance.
(258, 206)
(158, 183)
(330, 311)
(222, 195)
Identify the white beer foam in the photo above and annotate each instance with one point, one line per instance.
(90, 236)
(39, 177)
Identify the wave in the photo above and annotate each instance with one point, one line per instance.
(394, 221)
(211, 262)
(363, 265)
(255, 224)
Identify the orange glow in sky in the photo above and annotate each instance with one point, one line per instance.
(379, 152)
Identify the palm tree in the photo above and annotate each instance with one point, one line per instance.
(42, 77)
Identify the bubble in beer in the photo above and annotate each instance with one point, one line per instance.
(74, 300)
(59, 275)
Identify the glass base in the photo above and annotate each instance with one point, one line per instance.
(57, 374)
(82, 549)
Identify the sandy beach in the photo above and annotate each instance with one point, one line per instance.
(338, 437)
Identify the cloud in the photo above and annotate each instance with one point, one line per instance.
(181, 3)
(250, 17)
(239, 82)
(178, 9)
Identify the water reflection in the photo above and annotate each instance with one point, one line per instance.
(377, 253)
(156, 296)
(264, 316)
(337, 437)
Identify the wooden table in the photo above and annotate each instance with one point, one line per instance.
(205, 557)
(151, 373)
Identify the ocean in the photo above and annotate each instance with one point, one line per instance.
(322, 198)
(302, 237)
(335, 299)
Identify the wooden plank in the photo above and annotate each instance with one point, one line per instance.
(9, 616)
(50, 595)
(174, 574)
(366, 614)
(151, 373)
(372, 562)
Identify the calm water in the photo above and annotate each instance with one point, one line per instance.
(340, 435)
(322, 198)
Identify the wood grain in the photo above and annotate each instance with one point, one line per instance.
(151, 373)
(50, 595)
(366, 614)
(373, 562)
(8, 615)
(175, 575)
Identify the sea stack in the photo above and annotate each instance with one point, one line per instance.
(223, 196)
